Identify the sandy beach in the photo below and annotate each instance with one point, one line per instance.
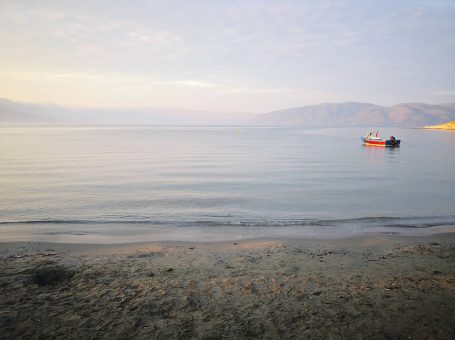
(446, 126)
(375, 287)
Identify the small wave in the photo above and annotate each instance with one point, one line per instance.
(83, 222)
(227, 221)
(75, 233)
(397, 222)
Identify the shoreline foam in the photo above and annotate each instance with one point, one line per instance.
(228, 234)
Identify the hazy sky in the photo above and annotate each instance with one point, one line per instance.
(251, 56)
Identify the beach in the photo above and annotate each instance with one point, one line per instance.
(446, 126)
(371, 286)
(198, 170)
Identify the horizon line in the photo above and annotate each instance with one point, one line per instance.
(71, 107)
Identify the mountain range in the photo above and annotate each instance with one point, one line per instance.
(321, 115)
(361, 114)
(18, 113)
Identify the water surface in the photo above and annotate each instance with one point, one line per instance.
(116, 184)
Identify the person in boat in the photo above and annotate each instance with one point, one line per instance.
(393, 140)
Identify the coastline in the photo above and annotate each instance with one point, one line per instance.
(446, 126)
(375, 286)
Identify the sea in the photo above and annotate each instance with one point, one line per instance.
(135, 184)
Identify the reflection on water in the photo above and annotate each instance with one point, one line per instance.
(93, 181)
(377, 154)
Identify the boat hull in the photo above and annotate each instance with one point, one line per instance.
(381, 143)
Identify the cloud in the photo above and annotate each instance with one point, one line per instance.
(189, 83)
(445, 93)
(224, 51)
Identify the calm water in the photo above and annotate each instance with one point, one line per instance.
(136, 184)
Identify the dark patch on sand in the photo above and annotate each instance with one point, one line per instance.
(51, 274)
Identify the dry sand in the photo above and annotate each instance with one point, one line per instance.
(375, 287)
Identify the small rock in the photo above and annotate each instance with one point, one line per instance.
(394, 285)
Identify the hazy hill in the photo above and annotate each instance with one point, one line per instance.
(23, 112)
(328, 114)
(361, 114)
(16, 113)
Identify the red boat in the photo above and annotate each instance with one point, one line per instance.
(369, 140)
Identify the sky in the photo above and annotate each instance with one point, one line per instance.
(243, 56)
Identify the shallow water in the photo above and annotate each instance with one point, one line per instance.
(122, 184)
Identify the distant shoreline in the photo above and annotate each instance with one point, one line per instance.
(348, 114)
(446, 126)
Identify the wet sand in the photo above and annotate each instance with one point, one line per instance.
(371, 287)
